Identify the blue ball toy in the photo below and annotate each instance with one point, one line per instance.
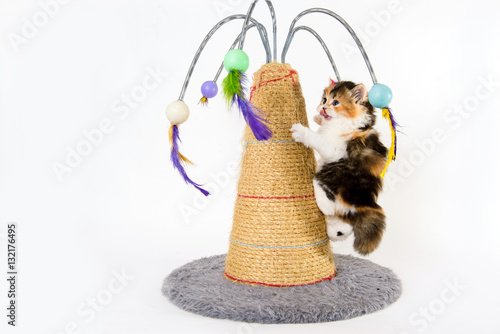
(380, 96)
(209, 89)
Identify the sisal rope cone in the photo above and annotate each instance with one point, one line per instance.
(279, 235)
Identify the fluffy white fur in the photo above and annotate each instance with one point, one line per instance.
(336, 229)
(331, 139)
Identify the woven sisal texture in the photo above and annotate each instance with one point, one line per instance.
(279, 235)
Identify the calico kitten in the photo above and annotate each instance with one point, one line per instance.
(352, 157)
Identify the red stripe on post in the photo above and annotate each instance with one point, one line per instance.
(280, 285)
(291, 197)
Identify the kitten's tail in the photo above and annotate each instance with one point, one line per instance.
(368, 227)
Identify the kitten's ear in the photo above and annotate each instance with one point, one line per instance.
(359, 93)
(331, 83)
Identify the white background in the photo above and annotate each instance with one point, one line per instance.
(119, 208)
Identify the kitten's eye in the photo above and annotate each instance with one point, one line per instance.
(335, 103)
(324, 100)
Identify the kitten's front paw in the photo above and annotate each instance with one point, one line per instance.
(337, 230)
(299, 132)
(318, 119)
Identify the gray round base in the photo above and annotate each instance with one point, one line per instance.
(359, 287)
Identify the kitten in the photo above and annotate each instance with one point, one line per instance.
(352, 157)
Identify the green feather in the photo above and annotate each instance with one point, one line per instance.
(231, 85)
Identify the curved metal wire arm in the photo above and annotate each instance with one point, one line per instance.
(343, 22)
(323, 44)
(263, 35)
(275, 29)
(262, 30)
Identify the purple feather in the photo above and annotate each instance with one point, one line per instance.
(174, 157)
(253, 117)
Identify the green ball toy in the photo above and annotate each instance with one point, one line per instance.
(236, 59)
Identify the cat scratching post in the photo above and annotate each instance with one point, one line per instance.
(279, 267)
(279, 235)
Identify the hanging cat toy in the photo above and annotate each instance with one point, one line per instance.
(234, 86)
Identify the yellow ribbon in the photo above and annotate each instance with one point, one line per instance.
(392, 153)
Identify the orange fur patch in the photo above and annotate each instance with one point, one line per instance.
(346, 108)
(369, 209)
(373, 160)
(358, 135)
(341, 201)
(377, 166)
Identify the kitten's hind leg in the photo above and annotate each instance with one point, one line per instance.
(337, 229)
(326, 205)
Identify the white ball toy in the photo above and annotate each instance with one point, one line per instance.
(177, 112)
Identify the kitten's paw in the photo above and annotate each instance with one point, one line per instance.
(318, 119)
(299, 132)
(337, 230)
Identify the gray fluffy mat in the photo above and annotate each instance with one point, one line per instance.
(359, 287)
